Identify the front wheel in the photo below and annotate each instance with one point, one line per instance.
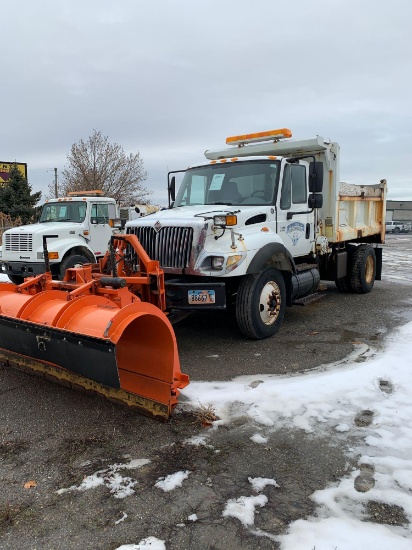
(77, 260)
(261, 303)
(16, 279)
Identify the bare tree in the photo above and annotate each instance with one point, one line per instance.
(98, 164)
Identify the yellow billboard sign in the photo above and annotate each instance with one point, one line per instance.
(5, 168)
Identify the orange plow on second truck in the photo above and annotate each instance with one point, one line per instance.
(102, 328)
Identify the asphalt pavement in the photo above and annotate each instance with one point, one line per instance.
(55, 437)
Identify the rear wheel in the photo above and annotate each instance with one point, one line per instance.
(77, 260)
(363, 269)
(260, 304)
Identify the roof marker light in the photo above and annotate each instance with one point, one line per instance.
(259, 136)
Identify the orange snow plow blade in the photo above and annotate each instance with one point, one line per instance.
(100, 331)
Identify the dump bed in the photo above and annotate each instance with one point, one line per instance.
(360, 212)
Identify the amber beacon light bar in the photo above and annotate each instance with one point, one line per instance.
(259, 136)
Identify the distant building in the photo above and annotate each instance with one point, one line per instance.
(398, 211)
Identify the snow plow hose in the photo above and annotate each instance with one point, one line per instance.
(127, 354)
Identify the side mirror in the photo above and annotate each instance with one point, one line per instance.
(316, 177)
(315, 200)
(172, 189)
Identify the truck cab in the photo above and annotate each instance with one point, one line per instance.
(78, 228)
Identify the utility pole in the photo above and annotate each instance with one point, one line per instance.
(56, 194)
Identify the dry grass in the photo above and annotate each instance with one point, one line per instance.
(205, 415)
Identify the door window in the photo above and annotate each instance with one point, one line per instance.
(294, 187)
(100, 213)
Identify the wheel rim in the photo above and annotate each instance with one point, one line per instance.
(269, 303)
(369, 269)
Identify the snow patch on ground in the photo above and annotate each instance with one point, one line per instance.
(258, 438)
(259, 483)
(124, 516)
(119, 485)
(196, 440)
(172, 481)
(149, 542)
(243, 508)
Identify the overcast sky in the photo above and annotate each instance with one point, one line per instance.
(171, 79)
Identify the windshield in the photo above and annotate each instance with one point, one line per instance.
(63, 212)
(234, 183)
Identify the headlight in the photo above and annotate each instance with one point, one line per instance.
(217, 262)
(225, 220)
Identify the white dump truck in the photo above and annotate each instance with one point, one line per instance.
(259, 224)
(78, 229)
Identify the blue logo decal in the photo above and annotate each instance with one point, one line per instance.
(295, 231)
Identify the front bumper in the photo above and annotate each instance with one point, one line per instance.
(22, 269)
(181, 296)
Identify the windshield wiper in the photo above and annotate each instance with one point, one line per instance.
(224, 203)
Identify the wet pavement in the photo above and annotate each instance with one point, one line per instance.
(55, 437)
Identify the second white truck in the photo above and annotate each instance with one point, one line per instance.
(78, 229)
(259, 224)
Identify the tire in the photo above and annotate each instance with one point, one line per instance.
(261, 303)
(396, 230)
(16, 279)
(72, 261)
(363, 269)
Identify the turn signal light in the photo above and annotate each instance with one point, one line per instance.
(53, 255)
(225, 220)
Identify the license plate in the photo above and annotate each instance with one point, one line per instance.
(201, 297)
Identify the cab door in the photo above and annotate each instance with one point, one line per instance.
(100, 228)
(295, 221)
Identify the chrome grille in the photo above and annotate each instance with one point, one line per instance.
(18, 242)
(171, 246)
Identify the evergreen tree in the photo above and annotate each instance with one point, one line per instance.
(16, 197)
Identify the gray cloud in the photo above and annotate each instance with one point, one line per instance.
(173, 79)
